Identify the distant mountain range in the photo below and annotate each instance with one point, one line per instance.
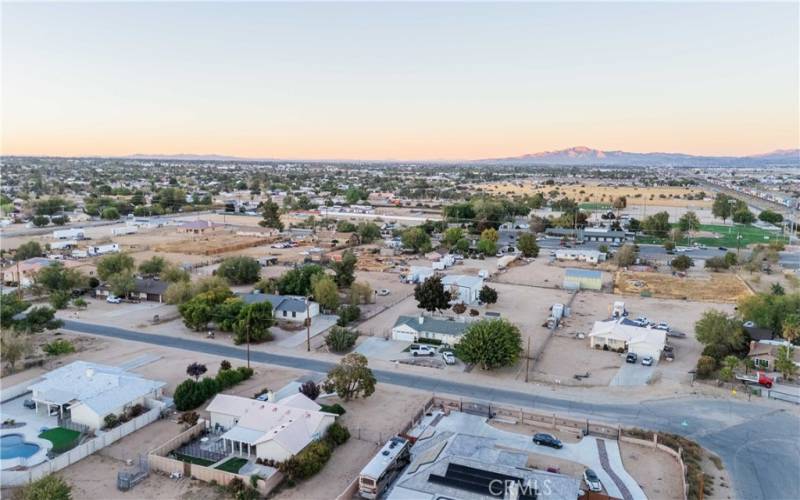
(582, 155)
(577, 156)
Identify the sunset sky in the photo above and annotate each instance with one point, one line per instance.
(398, 81)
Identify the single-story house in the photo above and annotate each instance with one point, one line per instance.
(764, 352)
(757, 333)
(198, 226)
(267, 429)
(24, 272)
(88, 392)
(149, 289)
(286, 307)
(623, 334)
(463, 288)
(583, 279)
(579, 254)
(413, 328)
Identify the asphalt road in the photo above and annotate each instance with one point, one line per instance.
(759, 444)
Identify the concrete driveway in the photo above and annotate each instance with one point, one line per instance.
(319, 325)
(633, 374)
(585, 452)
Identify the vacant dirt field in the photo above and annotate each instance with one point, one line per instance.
(715, 287)
(656, 471)
(594, 193)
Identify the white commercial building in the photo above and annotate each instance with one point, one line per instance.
(268, 430)
(88, 392)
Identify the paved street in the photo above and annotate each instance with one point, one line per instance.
(759, 444)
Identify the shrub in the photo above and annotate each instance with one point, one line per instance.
(337, 434)
(474, 312)
(705, 366)
(58, 347)
(189, 418)
(335, 408)
(348, 314)
(240, 270)
(110, 421)
(225, 365)
(310, 390)
(340, 339)
(49, 487)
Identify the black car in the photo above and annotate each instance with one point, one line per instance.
(631, 357)
(547, 440)
(723, 249)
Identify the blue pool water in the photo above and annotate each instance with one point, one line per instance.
(14, 445)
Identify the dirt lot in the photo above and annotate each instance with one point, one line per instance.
(657, 472)
(715, 287)
(566, 354)
(594, 193)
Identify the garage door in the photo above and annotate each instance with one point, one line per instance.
(404, 336)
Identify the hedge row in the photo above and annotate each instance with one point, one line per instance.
(191, 394)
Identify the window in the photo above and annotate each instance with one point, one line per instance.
(284, 314)
(294, 314)
(764, 363)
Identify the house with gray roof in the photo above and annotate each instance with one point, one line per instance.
(413, 328)
(285, 307)
(88, 392)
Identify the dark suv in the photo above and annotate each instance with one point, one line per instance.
(631, 357)
(547, 440)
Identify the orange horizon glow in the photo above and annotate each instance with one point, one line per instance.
(398, 81)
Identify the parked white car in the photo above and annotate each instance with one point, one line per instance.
(592, 481)
(448, 358)
(112, 299)
(662, 326)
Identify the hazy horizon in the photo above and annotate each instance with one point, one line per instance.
(395, 81)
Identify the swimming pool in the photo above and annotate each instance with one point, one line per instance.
(14, 445)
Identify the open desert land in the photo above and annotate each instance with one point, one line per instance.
(699, 285)
(601, 194)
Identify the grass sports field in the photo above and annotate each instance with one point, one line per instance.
(719, 235)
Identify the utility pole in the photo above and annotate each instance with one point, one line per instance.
(308, 325)
(528, 360)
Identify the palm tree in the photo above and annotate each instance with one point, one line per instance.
(784, 361)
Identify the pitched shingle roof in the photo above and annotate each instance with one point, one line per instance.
(432, 325)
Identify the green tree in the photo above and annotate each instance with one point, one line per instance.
(174, 274)
(689, 222)
(416, 239)
(122, 284)
(791, 327)
(56, 277)
(271, 215)
(716, 263)
(462, 246)
(153, 266)
(731, 259)
(254, 320)
(681, 262)
(720, 334)
(452, 235)
(345, 269)
(28, 250)
(619, 203)
(527, 245)
(325, 292)
(706, 365)
(431, 295)
(109, 213)
(490, 343)
(351, 378)
(354, 195)
(487, 247)
(784, 361)
(298, 281)
(669, 246)
(226, 314)
(340, 339)
(722, 208)
(240, 270)
(50, 487)
(40, 220)
(111, 264)
(770, 217)
(368, 232)
(487, 295)
(657, 224)
(344, 226)
(490, 234)
(743, 216)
